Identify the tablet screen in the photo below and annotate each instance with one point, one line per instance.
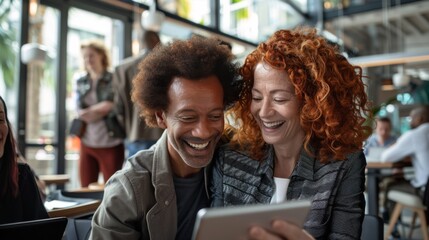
(234, 222)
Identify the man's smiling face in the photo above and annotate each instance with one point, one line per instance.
(194, 121)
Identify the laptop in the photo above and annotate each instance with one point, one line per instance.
(374, 154)
(46, 229)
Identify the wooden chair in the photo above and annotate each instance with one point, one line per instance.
(96, 186)
(409, 201)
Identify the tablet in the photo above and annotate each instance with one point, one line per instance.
(234, 222)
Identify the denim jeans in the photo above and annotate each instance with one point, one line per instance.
(133, 147)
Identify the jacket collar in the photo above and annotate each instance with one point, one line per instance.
(304, 167)
(163, 173)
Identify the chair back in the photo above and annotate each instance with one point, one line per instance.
(372, 228)
(47, 229)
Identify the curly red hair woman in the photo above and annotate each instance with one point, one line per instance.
(330, 90)
(297, 133)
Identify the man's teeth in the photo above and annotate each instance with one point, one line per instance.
(198, 146)
(272, 124)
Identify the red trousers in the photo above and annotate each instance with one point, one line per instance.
(93, 160)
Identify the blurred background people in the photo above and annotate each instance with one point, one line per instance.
(20, 199)
(102, 149)
(382, 136)
(138, 135)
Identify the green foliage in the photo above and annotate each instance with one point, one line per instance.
(183, 8)
(7, 40)
(376, 109)
(242, 13)
(421, 93)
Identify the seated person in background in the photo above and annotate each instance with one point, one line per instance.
(382, 137)
(299, 132)
(182, 87)
(19, 195)
(414, 144)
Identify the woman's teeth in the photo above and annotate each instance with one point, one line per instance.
(272, 124)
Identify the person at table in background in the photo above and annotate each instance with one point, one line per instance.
(298, 134)
(138, 135)
(100, 149)
(414, 144)
(19, 195)
(184, 88)
(382, 137)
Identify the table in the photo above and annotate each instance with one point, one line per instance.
(373, 179)
(51, 181)
(56, 179)
(82, 209)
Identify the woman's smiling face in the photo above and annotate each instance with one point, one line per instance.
(274, 105)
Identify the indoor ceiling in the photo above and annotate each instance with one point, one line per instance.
(383, 33)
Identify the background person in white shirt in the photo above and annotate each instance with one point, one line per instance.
(414, 144)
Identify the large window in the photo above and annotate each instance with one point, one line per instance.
(9, 45)
(249, 20)
(198, 11)
(255, 20)
(41, 90)
(49, 102)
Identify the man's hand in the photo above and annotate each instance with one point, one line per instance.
(280, 230)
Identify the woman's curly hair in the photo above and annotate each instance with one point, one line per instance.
(193, 59)
(333, 102)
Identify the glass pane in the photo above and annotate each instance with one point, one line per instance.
(338, 4)
(9, 45)
(301, 4)
(147, 2)
(41, 61)
(198, 11)
(255, 20)
(41, 159)
(41, 79)
(84, 25)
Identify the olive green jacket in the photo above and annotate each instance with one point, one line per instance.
(140, 201)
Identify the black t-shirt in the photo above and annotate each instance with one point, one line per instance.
(191, 197)
(27, 205)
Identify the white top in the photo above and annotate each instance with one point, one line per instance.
(281, 188)
(413, 143)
